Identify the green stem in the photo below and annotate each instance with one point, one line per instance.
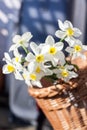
(26, 50)
(61, 40)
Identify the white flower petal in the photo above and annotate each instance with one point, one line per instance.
(35, 48)
(68, 24)
(73, 74)
(69, 67)
(37, 83)
(27, 36)
(48, 72)
(31, 66)
(69, 49)
(12, 47)
(18, 66)
(78, 42)
(61, 25)
(6, 57)
(30, 57)
(45, 49)
(59, 46)
(77, 32)
(16, 53)
(18, 76)
(16, 39)
(54, 61)
(4, 70)
(70, 40)
(60, 34)
(28, 82)
(50, 40)
(61, 57)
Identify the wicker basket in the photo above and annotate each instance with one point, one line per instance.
(65, 105)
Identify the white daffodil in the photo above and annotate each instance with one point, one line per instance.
(76, 49)
(39, 69)
(10, 67)
(45, 59)
(25, 75)
(39, 58)
(37, 54)
(53, 51)
(65, 73)
(32, 76)
(35, 69)
(34, 73)
(17, 57)
(7, 58)
(20, 41)
(67, 32)
(30, 79)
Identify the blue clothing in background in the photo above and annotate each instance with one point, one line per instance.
(40, 17)
(9, 17)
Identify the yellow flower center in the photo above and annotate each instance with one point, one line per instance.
(32, 76)
(62, 67)
(52, 50)
(40, 58)
(70, 32)
(64, 73)
(21, 42)
(16, 59)
(38, 70)
(10, 68)
(77, 48)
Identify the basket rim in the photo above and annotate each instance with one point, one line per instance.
(50, 91)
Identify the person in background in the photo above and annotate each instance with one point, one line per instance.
(22, 108)
(8, 23)
(9, 11)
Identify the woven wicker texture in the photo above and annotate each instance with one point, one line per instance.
(65, 105)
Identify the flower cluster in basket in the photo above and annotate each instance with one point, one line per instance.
(46, 59)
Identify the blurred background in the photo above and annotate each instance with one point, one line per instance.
(18, 110)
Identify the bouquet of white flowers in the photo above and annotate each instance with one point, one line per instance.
(48, 61)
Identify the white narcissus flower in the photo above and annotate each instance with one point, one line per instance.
(31, 78)
(46, 59)
(40, 69)
(67, 32)
(37, 55)
(26, 78)
(34, 73)
(39, 58)
(36, 70)
(17, 57)
(53, 51)
(10, 67)
(65, 73)
(20, 41)
(76, 49)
